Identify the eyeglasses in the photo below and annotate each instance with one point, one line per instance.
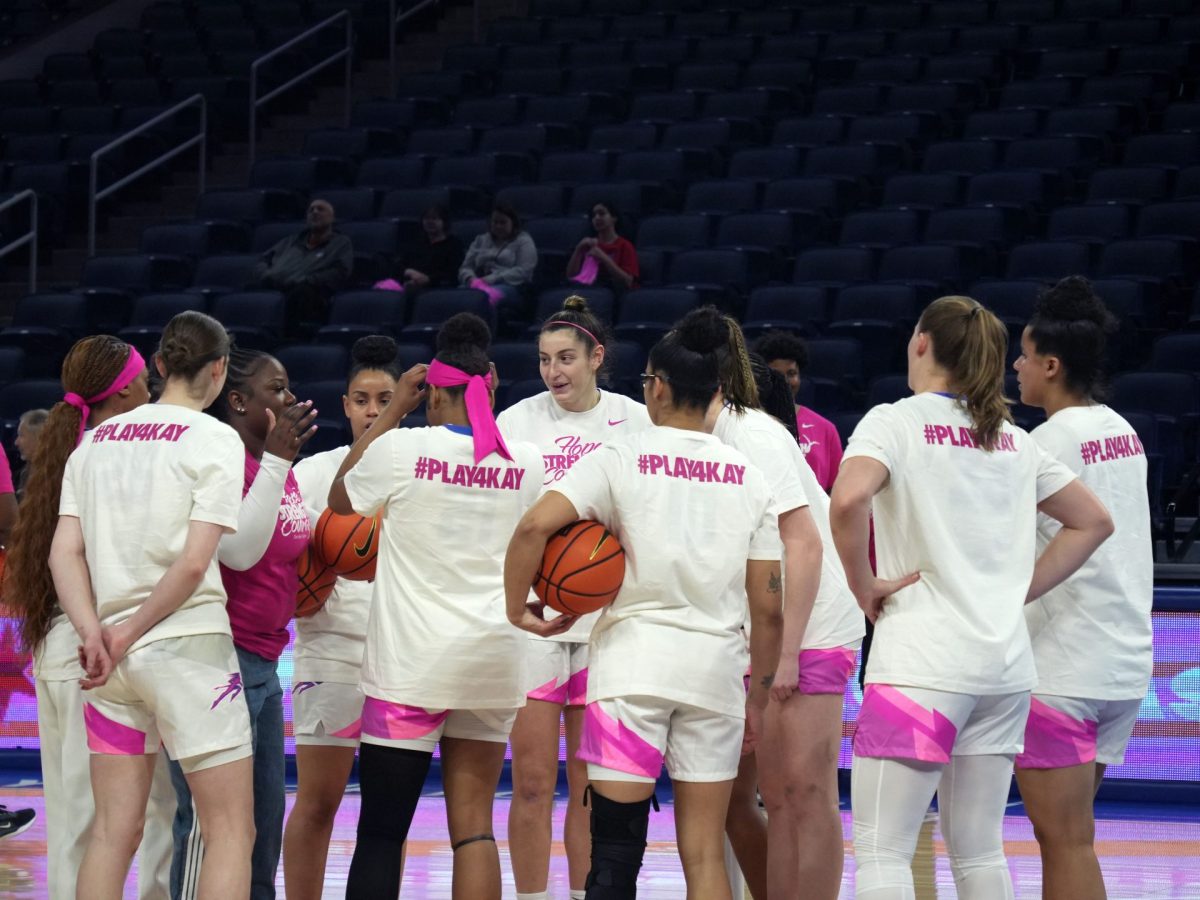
(647, 377)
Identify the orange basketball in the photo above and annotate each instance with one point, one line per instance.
(316, 583)
(348, 544)
(582, 569)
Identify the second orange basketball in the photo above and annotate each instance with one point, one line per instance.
(582, 569)
(349, 544)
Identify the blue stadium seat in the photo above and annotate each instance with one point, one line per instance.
(1048, 261)
(356, 314)
(648, 314)
(432, 308)
(789, 307)
(255, 319)
(673, 232)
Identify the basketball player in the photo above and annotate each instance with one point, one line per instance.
(570, 420)
(442, 666)
(697, 523)
(1092, 635)
(135, 570)
(326, 699)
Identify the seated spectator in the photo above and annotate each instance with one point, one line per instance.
(819, 439)
(29, 429)
(308, 267)
(606, 260)
(500, 262)
(433, 261)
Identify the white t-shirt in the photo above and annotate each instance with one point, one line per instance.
(965, 518)
(564, 438)
(1092, 635)
(438, 636)
(836, 619)
(329, 643)
(135, 486)
(689, 511)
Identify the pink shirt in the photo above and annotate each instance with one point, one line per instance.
(821, 445)
(262, 599)
(6, 482)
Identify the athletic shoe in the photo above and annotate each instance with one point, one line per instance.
(15, 821)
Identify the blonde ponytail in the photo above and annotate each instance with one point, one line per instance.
(737, 377)
(971, 344)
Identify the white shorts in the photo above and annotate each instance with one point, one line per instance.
(327, 713)
(184, 692)
(557, 672)
(931, 726)
(1069, 731)
(629, 739)
(413, 728)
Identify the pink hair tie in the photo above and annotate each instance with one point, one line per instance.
(484, 430)
(595, 340)
(134, 366)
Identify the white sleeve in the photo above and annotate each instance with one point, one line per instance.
(1052, 475)
(874, 437)
(764, 542)
(257, 516)
(588, 485)
(375, 477)
(67, 504)
(217, 486)
(1059, 443)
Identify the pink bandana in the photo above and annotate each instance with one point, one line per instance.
(133, 368)
(479, 411)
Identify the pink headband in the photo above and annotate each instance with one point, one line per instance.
(479, 411)
(595, 340)
(133, 368)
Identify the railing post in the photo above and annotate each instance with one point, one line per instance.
(95, 194)
(30, 236)
(33, 245)
(347, 53)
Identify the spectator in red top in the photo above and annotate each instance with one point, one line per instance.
(819, 439)
(607, 260)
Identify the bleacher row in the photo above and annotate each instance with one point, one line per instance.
(824, 168)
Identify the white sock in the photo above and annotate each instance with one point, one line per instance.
(578, 895)
(540, 895)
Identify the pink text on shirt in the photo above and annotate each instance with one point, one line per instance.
(702, 470)
(573, 449)
(1119, 447)
(495, 478)
(147, 431)
(960, 436)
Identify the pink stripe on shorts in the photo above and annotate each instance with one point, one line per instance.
(550, 692)
(112, 738)
(397, 722)
(577, 685)
(606, 742)
(893, 726)
(1055, 740)
(826, 671)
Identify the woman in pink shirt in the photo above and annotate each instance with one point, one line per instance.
(819, 439)
(258, 569)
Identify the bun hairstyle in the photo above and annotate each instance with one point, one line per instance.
(242, 366)
(91, 365)
(705, 352)
(463, 342)
(971, 344)
(191, 341)
(773, 391)
(783, 345)
(577, 318)
(374, 353)
(1072, 323)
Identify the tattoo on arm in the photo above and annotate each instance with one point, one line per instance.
(774, 583)
(767, 680)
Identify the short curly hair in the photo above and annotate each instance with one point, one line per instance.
(783, 345)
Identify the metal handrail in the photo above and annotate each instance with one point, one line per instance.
(200, 138)
(347, 53)
(394, 20)
(30, 237)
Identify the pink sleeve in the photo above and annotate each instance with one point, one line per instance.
(6, 481)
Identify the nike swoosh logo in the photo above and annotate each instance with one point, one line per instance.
(617, 422)
(806, 424)
(361, 552)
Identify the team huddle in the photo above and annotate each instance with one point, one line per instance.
(1006, 576)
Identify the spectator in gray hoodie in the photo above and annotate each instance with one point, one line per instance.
(500, 262)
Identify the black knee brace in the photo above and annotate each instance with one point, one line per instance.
(391, 781)
(618, 845)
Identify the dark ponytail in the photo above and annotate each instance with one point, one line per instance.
(1072, 323)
